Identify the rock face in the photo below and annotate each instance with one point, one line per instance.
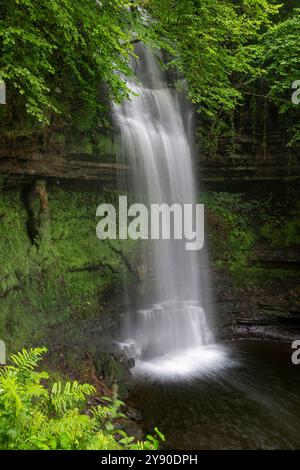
(18, 166)
(54, 271)
(113, 371)
(265, 312)
(256, 150)
(55, 280)
(56, 153)
(252, 146)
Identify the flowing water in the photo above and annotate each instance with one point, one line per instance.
(199, 394)
(252, 402)
(154, 141)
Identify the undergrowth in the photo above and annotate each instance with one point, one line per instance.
(36, 417)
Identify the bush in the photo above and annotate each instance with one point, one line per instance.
(34, 417)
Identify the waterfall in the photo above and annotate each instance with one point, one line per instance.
(154, 141)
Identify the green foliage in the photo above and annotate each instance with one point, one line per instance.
(70, 57)
(56, 55)
(239, 227)
(280, 56)
(32, 417)
(212, 44)
(281, 52)
(66, 397)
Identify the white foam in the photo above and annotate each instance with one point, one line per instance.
(185, 364)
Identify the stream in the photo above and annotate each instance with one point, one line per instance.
(249, 401)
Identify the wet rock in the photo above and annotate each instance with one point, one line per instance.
(134, 414)
(125, 353)
(252, 331)
(109, 367)
(131, 363)
(113, 371)
(131, 428)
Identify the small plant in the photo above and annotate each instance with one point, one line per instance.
(33, 417)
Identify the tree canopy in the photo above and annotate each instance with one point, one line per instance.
(281, 60)
(70, 58)
(211, 42)
(56, 53)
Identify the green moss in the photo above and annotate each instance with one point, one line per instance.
(43, 284)
(83, 146)
(283, 230)
(230, 234)
(97, 147)
(239, 228)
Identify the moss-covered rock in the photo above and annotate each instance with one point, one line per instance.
(244, 233)
(47, 279)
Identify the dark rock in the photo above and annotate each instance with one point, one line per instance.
(131, 428)
(131, 363)
(257, 321)
(109, 367)
(114, 371)
(134, 414)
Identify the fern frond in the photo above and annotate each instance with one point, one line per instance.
(73, 424)
(11, 393)
(100, 413)
(101, 441)
(36, 390)
(27, 360)
(68, 396)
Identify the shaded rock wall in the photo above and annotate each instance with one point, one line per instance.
(54, 271)
(252, 146)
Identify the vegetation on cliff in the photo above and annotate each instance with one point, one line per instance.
(46, 278)
(64, 62)
(243, 231)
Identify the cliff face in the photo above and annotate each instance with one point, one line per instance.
(25, 158)
(55, 274)
(54, 270)
(253, 146)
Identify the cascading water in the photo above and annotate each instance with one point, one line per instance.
(154, 141)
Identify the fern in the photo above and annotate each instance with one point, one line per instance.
(68, 396)
(33, 417)
(26, 361)
(11, 392)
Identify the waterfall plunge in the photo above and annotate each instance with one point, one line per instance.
(154, 141)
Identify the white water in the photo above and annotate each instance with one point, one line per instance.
(154, 142)
(190, 363)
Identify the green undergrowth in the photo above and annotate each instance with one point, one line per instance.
(56, 274)
(37, 413)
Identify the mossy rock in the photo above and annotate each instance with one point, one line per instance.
(113, 372)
